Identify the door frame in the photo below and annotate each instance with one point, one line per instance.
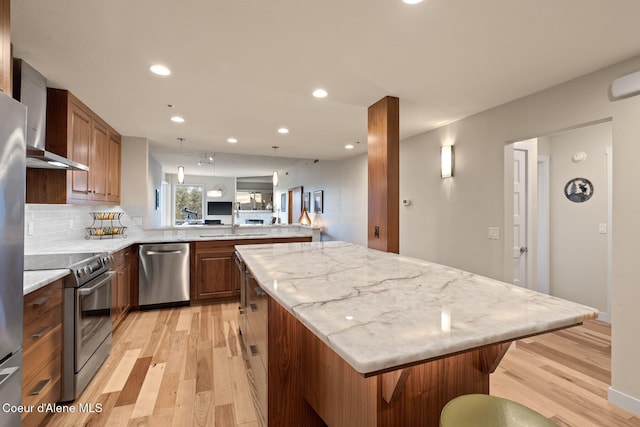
(543, 224)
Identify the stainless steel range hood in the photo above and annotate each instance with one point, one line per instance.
(42, 159)
(30, 88)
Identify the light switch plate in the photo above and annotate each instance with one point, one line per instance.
(30, 227)
(602, 228)
(494, 233)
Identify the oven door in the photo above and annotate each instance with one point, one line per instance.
(92, 317)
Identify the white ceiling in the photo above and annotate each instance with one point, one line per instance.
(244, 68)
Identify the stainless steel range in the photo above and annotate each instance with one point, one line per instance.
(87, 315)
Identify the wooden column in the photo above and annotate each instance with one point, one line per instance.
(5, 46)
(384, 175)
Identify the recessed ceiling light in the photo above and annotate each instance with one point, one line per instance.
(320, 93)
(177, 119)
(349, 146)
(283, 130)
(160, 70)
(232, 140)
(412, 1)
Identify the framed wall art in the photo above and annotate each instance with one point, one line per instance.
(306, 198)
(318, 201)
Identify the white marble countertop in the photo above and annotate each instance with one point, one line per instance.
(34, 280)
(379, 311)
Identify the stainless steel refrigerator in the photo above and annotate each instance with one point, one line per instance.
(13, 119)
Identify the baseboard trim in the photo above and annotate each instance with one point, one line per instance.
(624, 401)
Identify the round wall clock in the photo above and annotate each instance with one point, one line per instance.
(578, 190)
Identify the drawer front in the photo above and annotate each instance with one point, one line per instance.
(39, 302)
(121, 257)
(257, 358)
(38, 330)
(41, 352)
(42, 388)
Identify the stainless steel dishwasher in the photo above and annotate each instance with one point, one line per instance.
(163, 275)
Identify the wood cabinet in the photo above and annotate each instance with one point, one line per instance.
(42, 350)
(114, 167)
(5, 46)
(213, 268)
(122, 284)
(212, 278)
(255, 332)
(76, 132)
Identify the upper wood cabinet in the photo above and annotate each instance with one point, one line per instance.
(5, 46)
(76, 132)
(114, 166)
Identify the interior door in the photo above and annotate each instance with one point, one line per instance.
(520, 250)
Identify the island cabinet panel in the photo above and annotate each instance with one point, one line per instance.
(76, 132)
(122, 286)
(309, 384)
(5, 46)
(42, 350)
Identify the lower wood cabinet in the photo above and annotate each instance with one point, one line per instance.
(42, 350)
(213, 270)
(121, 286)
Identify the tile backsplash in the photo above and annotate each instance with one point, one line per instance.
(48, 226)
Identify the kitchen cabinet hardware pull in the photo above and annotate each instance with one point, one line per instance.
(163, 252)
(253, 307)
(260, 292)
(41, 301)
(41, 332)
(40, 386)
(254, 350)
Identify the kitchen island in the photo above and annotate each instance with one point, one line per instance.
(359, 337)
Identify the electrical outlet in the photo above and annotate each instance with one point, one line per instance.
(494, 233)
(137, 220)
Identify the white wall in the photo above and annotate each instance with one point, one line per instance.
(345, 196)
(448, 220)
(578, 250)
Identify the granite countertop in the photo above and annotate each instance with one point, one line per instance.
(379, 311)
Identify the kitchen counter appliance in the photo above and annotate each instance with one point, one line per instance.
(163, 275)
(13, 119)
(87, 314)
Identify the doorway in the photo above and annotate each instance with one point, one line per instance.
(566, 248)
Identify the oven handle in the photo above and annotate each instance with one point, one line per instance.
(101, 283)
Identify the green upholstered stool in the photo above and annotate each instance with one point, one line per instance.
(481, 410)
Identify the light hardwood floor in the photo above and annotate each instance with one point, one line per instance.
(184, 367)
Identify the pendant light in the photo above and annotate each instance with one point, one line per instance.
(275, 172)
(181, 168)
(214, 193)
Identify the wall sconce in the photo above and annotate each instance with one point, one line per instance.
(180, 174)
(446, 161)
